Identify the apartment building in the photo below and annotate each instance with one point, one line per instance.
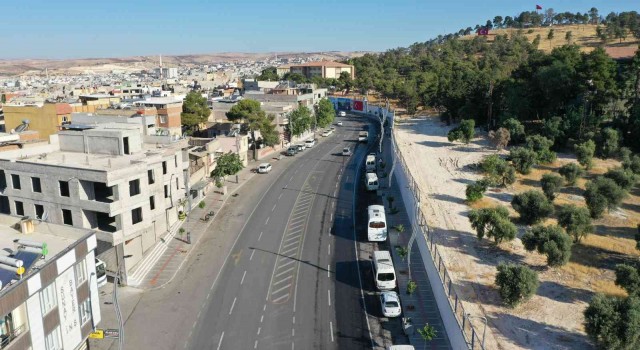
(54, 302)
(118, 178)
(46, 118)
(169, 110)
(324, 69)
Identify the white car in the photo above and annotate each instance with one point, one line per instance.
(326, 133)
(346, 151)
(310, 143)
(339, 123)
(342, 113)
(264, 168)
(390, 304)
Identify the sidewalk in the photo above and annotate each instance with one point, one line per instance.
(164, 260)
(420, 306)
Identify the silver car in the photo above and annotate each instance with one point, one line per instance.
(390, 304)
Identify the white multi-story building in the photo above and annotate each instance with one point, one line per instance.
(117, 178)
(54, 302)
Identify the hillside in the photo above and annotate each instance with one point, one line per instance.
(583, 35)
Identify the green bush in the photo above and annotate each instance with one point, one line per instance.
(628, 278)
(584, 153)
(551, 241)
(632, 163)
(608, 143)
(575, 220)
(516, 283)
(516, 130)
(475, 190)
(551, 183)
(202, 204)
(626, 179)
(603, 193)
(613, 322)
(494, 223)
(542, 146)
(532, 206)
(571, 172)
(464, 132)
(523, 159)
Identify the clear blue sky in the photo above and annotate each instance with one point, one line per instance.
(117, 28)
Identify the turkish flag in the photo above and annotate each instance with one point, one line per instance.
(483, 31)
(358, 105)
(538, 7)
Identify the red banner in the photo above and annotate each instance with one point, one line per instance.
(538, 7)
(358, 105)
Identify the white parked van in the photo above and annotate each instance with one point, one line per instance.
(383, 272)
(402, 347)
(371, 162)
(371, 181)
(377, 224)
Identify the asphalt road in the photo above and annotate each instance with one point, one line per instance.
(293, 264)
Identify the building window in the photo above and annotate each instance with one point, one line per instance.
(164, 168)
(48, 298)
(136, 216)
(64, 188)
(177, 183)
(35, 184)
(52, 340)
(163, 119)
(175, 160)
(15, 179)
(151, 177)
(152, 202)
(85, 311)
(67, 218)
(81, 272)
(39, 210)
(134, 187)
(166, 191)
(19, 208)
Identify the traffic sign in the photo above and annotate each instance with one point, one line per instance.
(111, 333)
(20, 270)
(97, 334)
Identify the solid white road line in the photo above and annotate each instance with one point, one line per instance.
(285, 271)
(283, 280)
(280, 298)
(281, 289)
(232, 305)
(243, 275)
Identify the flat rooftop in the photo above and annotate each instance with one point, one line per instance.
(57, 237)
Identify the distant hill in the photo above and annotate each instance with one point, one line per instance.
(583, 35)
(79, 65)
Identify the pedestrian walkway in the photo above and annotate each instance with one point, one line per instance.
(164, 260)
(420, 306)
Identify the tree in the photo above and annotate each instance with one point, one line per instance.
(532, 206)
(494, 222)
(568, 36)
(249, 112)
(268, 131)
(603, 193)
(608, 143)
(326, 113)
(345, 81)
(551, 241)
(575, 220)
(613, 322)
(497, 21)
(523, 159)
(550, 36)
(551, 183)
(571, 173)
(516, 130)
(541, 145)
(516, 283)
(593, 15)
(584, 153)
(295, 77)
(475, 190)
(624, 178)
(628, 277)
(464, 132)
(427, 333)
(269, 74)
(497, 171)
(499, 138)
(227, 164)
(194, 110)
(299, 120)
(632, 163)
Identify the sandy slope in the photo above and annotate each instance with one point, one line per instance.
(553, 317)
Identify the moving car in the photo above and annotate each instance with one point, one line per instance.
(363, 136)
(371, 182)
(370, 162)
(339, 123)
(310, 143)
(342, 114)
(292, 150)
(326, 133)
(390, 304)
(264, 168)
(346, 151)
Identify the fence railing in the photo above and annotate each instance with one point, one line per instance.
(469, 332)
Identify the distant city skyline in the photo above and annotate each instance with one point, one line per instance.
(39, 29)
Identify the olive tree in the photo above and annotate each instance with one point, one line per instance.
(532, 206)
(516, 283)
(613, 322)
(575, 220)
(551, 183)
(571, 172)
(603, 193)
(494, 223)
(584, 153)
(523, 159)
(464, 132)
(551, 241)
